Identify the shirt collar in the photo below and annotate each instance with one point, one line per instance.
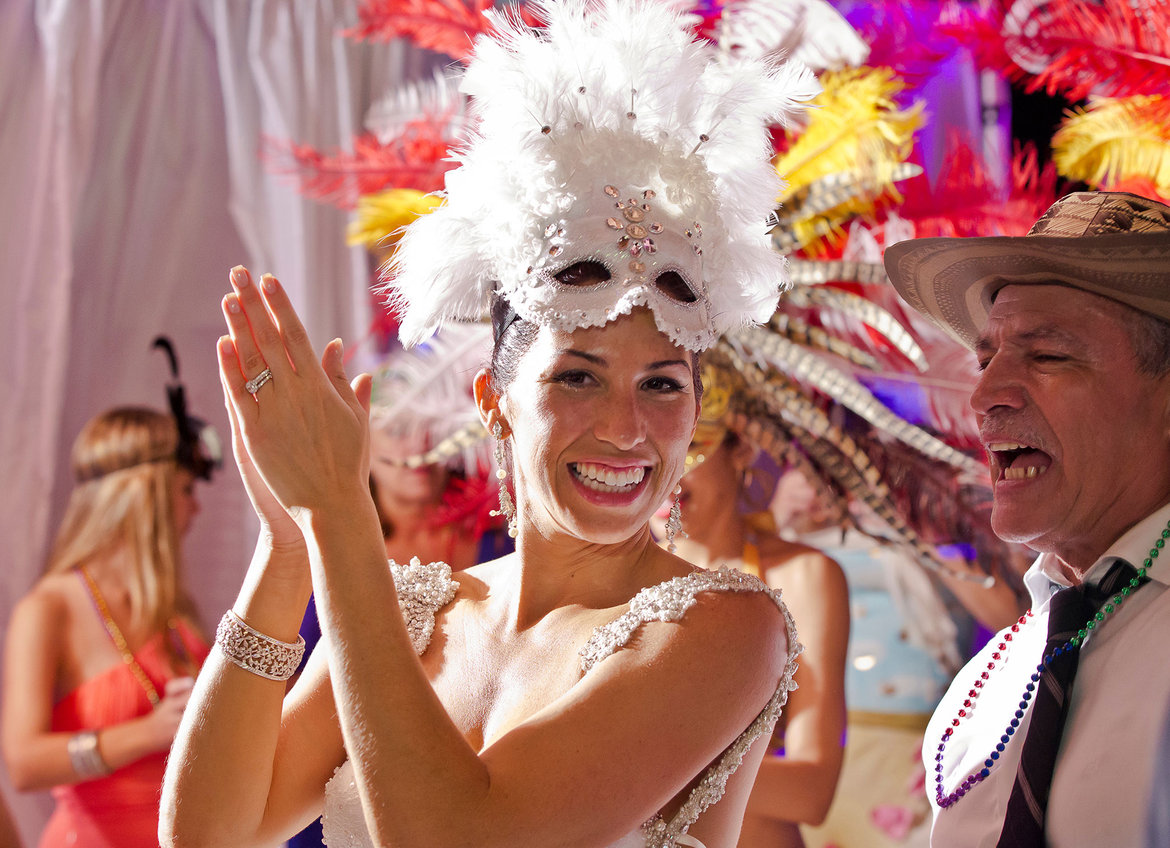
(1045, 577)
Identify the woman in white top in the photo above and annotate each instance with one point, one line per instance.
(591, 688)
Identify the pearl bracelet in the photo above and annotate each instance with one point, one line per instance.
(85, 757)
(252, 651)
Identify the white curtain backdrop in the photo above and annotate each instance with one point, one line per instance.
(130, 183)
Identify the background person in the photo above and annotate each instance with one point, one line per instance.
(102, 653)
(797, 779)
(901, 656)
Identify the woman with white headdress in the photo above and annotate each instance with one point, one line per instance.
(591, 688)
(428, 461)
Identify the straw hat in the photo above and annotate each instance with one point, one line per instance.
(1113, 244)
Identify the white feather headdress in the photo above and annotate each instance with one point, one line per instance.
(425, 395)
(611, 135)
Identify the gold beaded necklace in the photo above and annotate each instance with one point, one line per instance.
(117, 638)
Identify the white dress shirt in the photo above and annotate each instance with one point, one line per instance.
(1103, 769)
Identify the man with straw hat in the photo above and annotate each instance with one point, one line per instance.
(1045, 737)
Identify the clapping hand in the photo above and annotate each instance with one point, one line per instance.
(299, 427)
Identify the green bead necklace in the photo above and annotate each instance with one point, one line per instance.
(949, 799)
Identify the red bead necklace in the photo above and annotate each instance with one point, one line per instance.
(944, 799)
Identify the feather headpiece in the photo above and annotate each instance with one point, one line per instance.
(425, 395)
(611, 135)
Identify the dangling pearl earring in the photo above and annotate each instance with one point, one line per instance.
(507, 507)
(674, 521)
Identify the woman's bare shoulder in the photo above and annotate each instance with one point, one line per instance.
(475, 583)
(53, 595)
(43, 615)
(724, 606)
(776, 552)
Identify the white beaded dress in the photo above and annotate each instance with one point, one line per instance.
(425, 589)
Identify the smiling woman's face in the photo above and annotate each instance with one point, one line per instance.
(600, 420)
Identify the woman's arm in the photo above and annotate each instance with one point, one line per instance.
(799, 786)
(995, 607)
(249, 765)
(38, 758)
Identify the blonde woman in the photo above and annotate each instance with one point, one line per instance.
(101, 654)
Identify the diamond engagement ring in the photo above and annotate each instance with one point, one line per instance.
(253, 385)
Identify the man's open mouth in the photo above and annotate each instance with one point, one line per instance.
(1017, 461)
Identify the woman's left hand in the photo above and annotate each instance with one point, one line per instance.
(305, 429)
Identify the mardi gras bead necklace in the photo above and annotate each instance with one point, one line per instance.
(120, 643)
(945, 799)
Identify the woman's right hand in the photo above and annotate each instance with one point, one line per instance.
(163, 720)
(276, 525)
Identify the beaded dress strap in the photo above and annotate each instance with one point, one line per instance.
(669, 601)
(423, 590)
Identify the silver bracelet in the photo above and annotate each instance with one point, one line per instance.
(85, 757)
(252, 651)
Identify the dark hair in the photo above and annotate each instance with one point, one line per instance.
(513, 337)
(1151, 344)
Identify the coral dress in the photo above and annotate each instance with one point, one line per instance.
(121, 809)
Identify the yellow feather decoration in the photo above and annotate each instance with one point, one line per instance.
(1116, 141)
(382, 216)
(859, 137)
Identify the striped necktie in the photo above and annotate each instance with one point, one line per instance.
(1068, 611)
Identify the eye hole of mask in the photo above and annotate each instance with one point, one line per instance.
(672, 284)
(587, 273)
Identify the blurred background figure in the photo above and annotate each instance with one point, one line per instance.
(797, 779)
(431, 470)
(906, 640)
(9, 838)
(101, 654)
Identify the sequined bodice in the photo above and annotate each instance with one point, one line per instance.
(425, 589)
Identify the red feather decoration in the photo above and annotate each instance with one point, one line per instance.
(1112, 49)
(966, 201)
(900, 34)
(417, 158)
(977, 28)
(445, 26)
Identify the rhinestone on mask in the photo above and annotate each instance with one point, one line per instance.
(635, 228)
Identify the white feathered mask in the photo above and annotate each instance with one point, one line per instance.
(612, 136)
